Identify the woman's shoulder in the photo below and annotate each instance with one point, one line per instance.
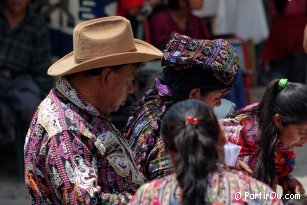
(152, 192)
(242, 189)
(147, 113)
(251, 185)
(241, 117)
(239, 177)
(249, 107)
(162, 182)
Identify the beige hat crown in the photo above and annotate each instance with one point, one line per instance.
(103, 42)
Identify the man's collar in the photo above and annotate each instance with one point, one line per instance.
(71, 93)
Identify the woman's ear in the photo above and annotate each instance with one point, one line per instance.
(277, 121)
(195, 94)
(105, 77)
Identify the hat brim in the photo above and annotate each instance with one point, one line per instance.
(67, 64)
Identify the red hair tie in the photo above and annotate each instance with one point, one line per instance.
(193, 120)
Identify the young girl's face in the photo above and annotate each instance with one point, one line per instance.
(294, 136)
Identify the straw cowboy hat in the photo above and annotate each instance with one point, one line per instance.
(103, 42)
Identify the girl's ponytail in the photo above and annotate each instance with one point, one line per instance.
(191, 131)
(265, 168)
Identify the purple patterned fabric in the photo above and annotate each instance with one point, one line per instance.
(143, 135)
(163, 90)
(217, 56)
(74, 155)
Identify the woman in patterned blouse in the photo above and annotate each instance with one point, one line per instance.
(199, 69)
(194, 140)
(268, 133)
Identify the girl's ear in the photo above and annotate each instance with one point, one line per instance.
(277, 121)
(195, 94)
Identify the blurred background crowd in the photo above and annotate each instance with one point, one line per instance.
(267, 34)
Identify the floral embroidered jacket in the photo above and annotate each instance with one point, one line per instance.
(224, 187)
(143, 135)
(74, 155)
(243, 129)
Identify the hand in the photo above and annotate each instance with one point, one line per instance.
(291, 185)
(242, 166)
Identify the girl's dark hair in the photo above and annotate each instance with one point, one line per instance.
(174, 4)
(196, 147)
(280, 5)
(291, 104)
(181, 82)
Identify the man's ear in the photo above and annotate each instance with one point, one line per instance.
(277, 121)
(105, 77)
(195, 94)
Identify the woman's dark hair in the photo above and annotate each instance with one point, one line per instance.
(181, 82)
(291, 104)
(280, 5)
(174, 4)
(195, 147)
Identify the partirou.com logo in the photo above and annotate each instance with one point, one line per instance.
(264, 196)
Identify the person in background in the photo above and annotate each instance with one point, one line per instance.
(200, 69)
(24, 59)
(177, 18)
(268, 133)
(283, 50)
(194, 141)
(73, 153)
(131, 9)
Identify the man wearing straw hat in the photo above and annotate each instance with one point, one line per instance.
(73, 153)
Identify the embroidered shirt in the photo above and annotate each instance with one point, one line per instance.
(143, 135)
(223, 188)
(243, 129)
(74, 155)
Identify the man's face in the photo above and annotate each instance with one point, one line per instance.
(120, 85)
(17, 6)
